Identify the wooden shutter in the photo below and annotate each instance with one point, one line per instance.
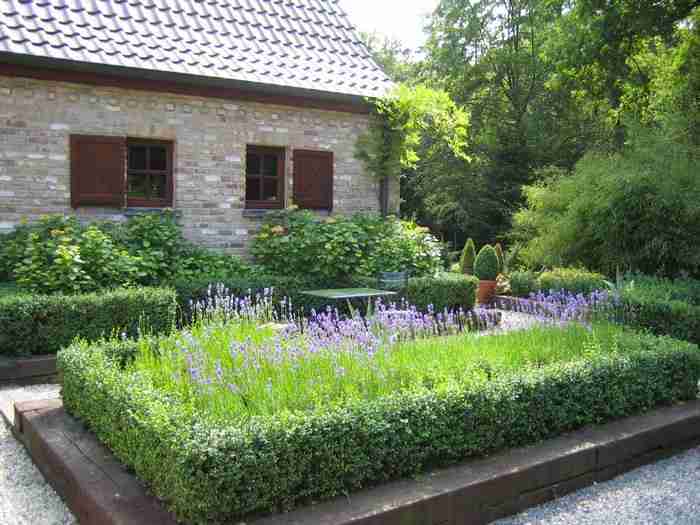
(97, 170)
(313, 179)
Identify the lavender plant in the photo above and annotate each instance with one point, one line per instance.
(248, 356)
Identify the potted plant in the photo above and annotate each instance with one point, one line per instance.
(486, 270)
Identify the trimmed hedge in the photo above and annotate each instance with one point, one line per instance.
(663, 306)
(451, 291)
(573, 280)
(217, 474)
(42, 324)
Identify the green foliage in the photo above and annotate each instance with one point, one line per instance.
(58, 254)
(663, 306)
(486, 264)
(42, 324)
(466, 262)
(62, 256)
(289, 459)
(334, 249)
(409, 123)
(451, 291)
(573, 280)
(635, 210)
(523, 283)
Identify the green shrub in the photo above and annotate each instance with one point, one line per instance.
(572, 280)
(663, 306)
(73, 259)
(636, 209)
(523, 283)
(451, 291)
(59, 254)
(218, 474)
(486, 264)
(336, 248)
(466, 262)
(42, 324)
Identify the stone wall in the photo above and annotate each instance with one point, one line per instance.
(210, 136)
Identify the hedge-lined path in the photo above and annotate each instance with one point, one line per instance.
(663, 493)
(25, 497)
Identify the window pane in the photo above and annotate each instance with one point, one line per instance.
(159, 158)
(137, 157)
(270, 165)
(137, 185)
(269, 189)
(252, 189)
(252, 164)
(157, 187)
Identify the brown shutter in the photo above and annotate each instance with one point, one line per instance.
(97, 170)
(313, 179)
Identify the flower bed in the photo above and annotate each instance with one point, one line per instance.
(230, 418)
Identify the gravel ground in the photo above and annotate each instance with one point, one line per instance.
(663, 493)
(25, 498)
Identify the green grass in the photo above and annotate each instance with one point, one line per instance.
(237, 371)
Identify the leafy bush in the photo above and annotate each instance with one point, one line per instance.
(636, 210)
(523, 283)
(486, 264)
(42, 324)
(288, 459)
(663, 306)
(336, 248)
(445, 290)
(59, 254)
(73, 259)
(572, 280)
(466, 262)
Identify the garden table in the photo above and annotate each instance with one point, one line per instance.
(339, 294)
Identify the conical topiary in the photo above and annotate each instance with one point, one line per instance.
(486, 264)
(466, 261)
(501, 257)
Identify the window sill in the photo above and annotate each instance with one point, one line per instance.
(254, 213)
(132, 211)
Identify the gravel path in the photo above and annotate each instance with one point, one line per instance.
(663, 493)
(25, 498)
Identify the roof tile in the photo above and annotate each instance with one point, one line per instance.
(309, 44)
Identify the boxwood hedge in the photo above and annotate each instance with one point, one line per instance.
(42, 324)
(216, 474)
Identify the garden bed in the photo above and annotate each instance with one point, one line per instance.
(224, 421)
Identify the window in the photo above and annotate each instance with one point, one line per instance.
(118, 172)
(149, 173)
(264, 177)
(313, 179)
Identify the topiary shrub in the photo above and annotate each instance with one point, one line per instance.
(486, 264)
(574, 280)
(523, 283)
(466, 262)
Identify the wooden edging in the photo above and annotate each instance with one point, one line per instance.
(28, 370)
(99, 491)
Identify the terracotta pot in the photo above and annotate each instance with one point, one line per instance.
(486, 292)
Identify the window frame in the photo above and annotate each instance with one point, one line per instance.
(281, 154)
(140, 202)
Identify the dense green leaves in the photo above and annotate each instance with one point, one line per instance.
(42, 324)
(295, 243)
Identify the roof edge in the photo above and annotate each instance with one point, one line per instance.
(43, 68)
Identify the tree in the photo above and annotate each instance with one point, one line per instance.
(395, 59)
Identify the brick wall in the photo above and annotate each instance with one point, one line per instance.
(210, 135)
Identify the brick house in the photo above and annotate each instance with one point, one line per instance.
(219, 109)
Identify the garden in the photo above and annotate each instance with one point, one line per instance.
(232, 394)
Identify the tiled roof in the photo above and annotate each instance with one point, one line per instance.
(298, 44)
